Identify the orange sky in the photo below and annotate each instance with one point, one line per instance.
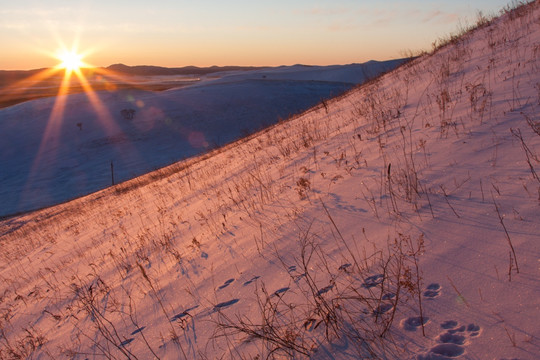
(204, 33)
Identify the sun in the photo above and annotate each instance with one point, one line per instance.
(70, 60)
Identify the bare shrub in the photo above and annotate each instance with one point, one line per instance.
(357, 300)
(302, 187)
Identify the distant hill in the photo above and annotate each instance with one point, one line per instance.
(10, 76)
(148, 70)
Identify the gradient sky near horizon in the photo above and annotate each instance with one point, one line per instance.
(234, 32)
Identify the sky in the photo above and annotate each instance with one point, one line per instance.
(235, 32)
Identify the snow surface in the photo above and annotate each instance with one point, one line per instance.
(335, 235)
(47, 158)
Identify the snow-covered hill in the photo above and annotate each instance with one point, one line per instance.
(400, 221)
(55, 149)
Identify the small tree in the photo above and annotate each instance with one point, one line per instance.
(128, 114)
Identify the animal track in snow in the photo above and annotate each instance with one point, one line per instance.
(344, 267)
(278, 292)
(452, 342)
(225, 284)
(225, 304)
(138, 330)
(383, 308)
(457, 329)
(291, 270)
(184, 313)
(448, 338)
(444, 351)
(351, 208)
(298, 278)
(324, 290)
(450, 324)
(340, 204)
(251, 280)
(413, 323)
(127, 341)
(373, 281)
(473, 330)
(432, 291)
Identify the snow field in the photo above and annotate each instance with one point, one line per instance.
(397, 221)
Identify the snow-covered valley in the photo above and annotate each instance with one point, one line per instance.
(56, 149)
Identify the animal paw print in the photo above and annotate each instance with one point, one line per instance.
(344, 267)
(225, 284)
(281, 291)
(414, 322)
(449, 338)
(473, 330)
(373, 281)
(383, 309)
(450, 324)
(251, 280)
(442, 352)
(294, 274)
(225, 304)
(432, 291)
(181, 315)
(452, 341)
(324, 290)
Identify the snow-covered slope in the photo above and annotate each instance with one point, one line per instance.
(352, 73)
(52, 150)
(335, 235)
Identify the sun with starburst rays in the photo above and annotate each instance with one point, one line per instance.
(70, 60)
(71, 63)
